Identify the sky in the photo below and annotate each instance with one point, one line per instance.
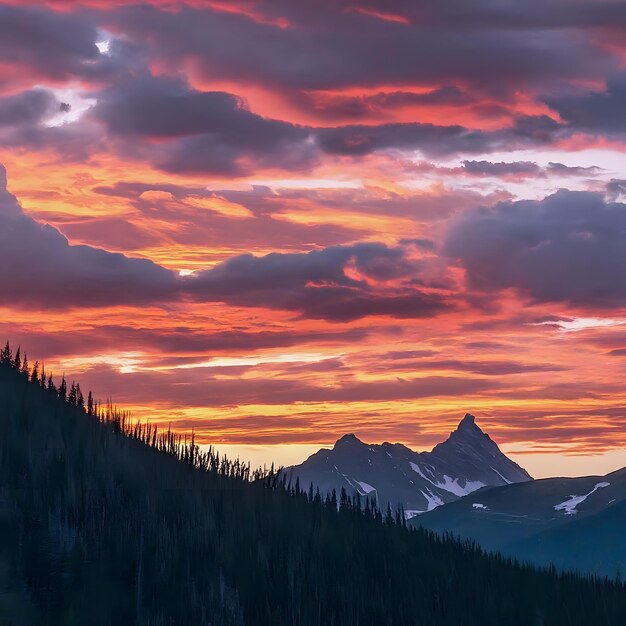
(273, 222)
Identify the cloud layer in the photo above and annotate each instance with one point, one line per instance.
(339, 283)
(276, 221)
(566, 248)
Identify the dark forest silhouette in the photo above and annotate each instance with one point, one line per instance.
(107, 521)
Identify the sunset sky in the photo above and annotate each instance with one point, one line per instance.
(273, 222)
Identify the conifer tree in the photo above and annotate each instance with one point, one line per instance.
(343, 498)
(6, 356)
(80, 401)
(71, 398)
(389, 515)
(34, 376)
(63, 389)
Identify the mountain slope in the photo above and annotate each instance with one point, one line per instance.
(594, 543)
(419, 482)
(106, 523)
(569, 522)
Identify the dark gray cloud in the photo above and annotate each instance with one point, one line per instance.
(208, 132)
(43, 269)
(24, 124)
(567, 248)
(525, 169)
(327, 45)
(28, 107)
(215, 133)
(358, 140)
(40, 267)
(434, 140)
(477, 13)
(330, 45)
(617, 352)
(50, 45)
(517, 168)
(316, 284)
(169, 108)
(616, 188)
(572, 170)
(594, 111)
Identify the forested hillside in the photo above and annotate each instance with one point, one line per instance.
(107, 523)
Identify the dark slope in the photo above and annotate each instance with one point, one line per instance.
(573, 523)
(100, 528)
(595, 543)
(417, 481)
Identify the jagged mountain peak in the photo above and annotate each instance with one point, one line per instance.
(349, 439)
(419, 481)
(469, 447)
(468, 426)
(468, 423)
(469, 433)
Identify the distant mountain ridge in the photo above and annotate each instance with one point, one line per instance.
(572, 523)
(391, 473)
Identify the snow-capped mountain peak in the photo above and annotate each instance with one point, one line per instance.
(418, 481)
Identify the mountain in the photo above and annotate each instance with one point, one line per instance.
(104, 521)
(416, 481)
(572, 523)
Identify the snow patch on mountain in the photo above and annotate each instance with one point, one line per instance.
(366, 488)
(504, 478)
(433, 500)
(569, 505)
(450, 484)
(416, 468)
(453, 486)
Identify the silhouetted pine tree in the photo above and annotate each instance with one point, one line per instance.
(34, 375)
(6, 356)
(80, 401)
(63, 389)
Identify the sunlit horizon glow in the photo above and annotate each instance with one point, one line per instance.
(249, 221)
